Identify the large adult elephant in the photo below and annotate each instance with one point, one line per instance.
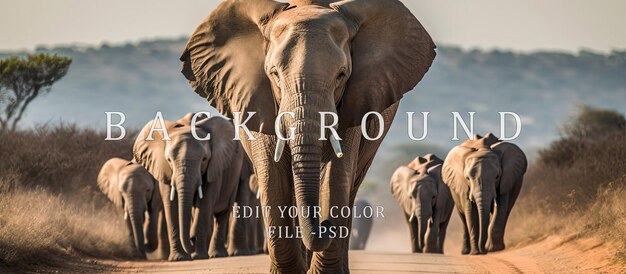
(193, 173)
(485, 176)
(302, 58)
(131, 188)
(361, 227)
(425, 200)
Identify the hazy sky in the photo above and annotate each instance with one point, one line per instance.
(507, 24)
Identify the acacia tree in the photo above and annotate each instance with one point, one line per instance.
(23, 79)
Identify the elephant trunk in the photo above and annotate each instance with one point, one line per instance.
(136, 215)
(306, 151)
(423, 216)
(185, 189)
(306, 155)
(483, 206)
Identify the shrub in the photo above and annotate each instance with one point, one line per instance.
(51, 208)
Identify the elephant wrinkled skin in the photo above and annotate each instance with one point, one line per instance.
(195, 177)
(131, 188)
(305, 57)
(426, 202)
(485, 176)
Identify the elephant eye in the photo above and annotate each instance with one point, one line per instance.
(341, 76)
(274, 74)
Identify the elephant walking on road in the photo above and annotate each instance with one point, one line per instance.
(131, 188)
(193, 174)
(485, 176)
(426, 202)
(361, 227)
(294, 65)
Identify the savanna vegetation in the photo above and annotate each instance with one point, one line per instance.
(24, 79)
(52, 213)
(577, 186)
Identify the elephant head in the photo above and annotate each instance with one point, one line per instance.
(302, 58)
(416, 190)
(186, 163)
(130, 187)
(472, 170)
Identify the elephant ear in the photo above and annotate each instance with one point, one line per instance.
(151, 153)
(223, 61)
(433, 160)
(108, 180)
(391, 52)
(452, 171)
(418, 162)
(223, 147)
(514, 164)
(399, 183)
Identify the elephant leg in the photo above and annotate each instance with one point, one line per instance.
(131, 235)
(217, 248)
(442, 236)
(432, 234)
(496, 227)
(466, 238)
(414, 233)
(203, 225)
(275, 192)
(473, 225)
(338, 189)
(177, 253)
(238, 232)
(250, 232)
(164, 247)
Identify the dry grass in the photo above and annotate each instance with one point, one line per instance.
(576, 188)
(51, 211)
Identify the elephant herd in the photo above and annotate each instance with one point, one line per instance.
(280, 68)
(178, 191)
(481, 177)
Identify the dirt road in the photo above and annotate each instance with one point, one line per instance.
(552, 255)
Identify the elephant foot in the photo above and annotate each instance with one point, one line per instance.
(465, 250)
(493, 247)
(200, 255)
(218, 253)
(477, 252)
(177, 257)
(239, 252)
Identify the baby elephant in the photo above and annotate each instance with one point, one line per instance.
(426, 202)
(131, 188)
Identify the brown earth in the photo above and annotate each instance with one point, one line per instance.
(552, 255)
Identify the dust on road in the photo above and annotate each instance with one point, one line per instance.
(552, 255)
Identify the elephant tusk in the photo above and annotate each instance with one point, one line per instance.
(200, 192)
(412, 216)
(336, 146)
(258, 195)
(280, 146)
(125, 215)
(172, 192)
(432, 221)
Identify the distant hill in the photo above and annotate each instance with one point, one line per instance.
(142, 78)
